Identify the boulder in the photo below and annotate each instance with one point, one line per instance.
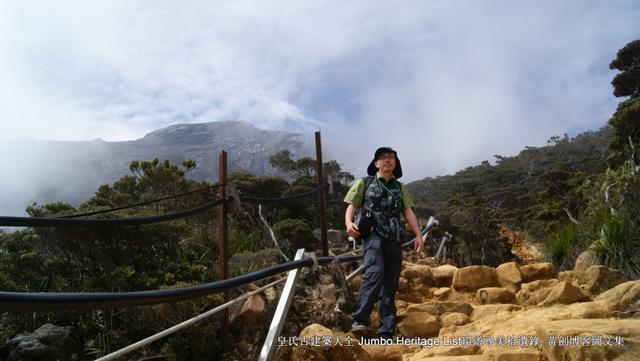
(418, 275)
(312, 345)
(495, 295)
(588, 310)
(271, 294)
(509, 276)
(253, 310)
(516, 354)
(482, 311)
(448, 352)
(385, 353)
(419, 324)
(474, 277)
(565, 293)
(424, 307)
(624, 297)
(454, 319)
(443, 275)
(564, 334)
(597, 279)
(585, 260)
(442, 293)
(538, 271)
(569, 276)
(315, 330)
(47, 343)
(428, 261)
(439, 308)
(535, 292)
(455, 307)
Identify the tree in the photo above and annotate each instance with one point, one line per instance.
(306, 167)
(626, 120)
(283, 160)
(627, 83)
(625, 143)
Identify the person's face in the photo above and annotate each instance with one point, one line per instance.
(386, 163)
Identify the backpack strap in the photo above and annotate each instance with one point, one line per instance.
(367, 182)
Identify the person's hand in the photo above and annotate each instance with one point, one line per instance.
(352, 230)
(418, 245)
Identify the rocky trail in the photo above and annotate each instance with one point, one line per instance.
(510, 313)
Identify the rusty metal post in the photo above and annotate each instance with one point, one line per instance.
(321, 198)
(222, 244)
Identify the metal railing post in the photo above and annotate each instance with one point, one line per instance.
(222, 244)
(279, 317)
(321, 199)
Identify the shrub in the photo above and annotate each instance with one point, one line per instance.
(245, 262)
(562, 246)
(619, 244)
(241, 241)
(293, 234)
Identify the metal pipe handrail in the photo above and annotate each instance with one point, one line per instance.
(18, 301)
(280, 315)
(189, 322)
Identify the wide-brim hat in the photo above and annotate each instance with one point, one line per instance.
(372, 170)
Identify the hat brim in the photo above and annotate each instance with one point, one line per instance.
(397, 171)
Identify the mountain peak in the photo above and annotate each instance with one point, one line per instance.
(226, 125)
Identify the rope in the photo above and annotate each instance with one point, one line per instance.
(71, 221)
(67, 222)
(189, 322)
(23, 302)
(141, 203)
(292, 196)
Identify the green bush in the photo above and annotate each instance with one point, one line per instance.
(619, 244)
(241, 241)
(293, 234)
(245, 262)
(562, 246)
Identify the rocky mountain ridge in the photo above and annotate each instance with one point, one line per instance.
(70, 171)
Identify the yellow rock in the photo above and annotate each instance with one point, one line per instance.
(475, 277)
(443, 275)
(564, 339)
(509, 276)
(483, 311)
(419, 324)
(538, 271)
(565, 292)
(489, 295)
(454, 318)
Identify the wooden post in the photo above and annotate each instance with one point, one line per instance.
(222, 245)
(321, 198)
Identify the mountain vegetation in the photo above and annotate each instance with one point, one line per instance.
(537, 191)
(572, 195)
(162, 255)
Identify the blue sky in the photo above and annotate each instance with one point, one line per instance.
(448, 84)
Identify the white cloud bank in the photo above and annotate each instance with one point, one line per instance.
(448, 84)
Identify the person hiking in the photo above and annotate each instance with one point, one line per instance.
(380, 199)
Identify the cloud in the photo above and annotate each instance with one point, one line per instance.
(446, 83)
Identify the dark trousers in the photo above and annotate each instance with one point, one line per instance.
(382, 266)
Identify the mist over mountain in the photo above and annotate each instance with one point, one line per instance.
(44, 171)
